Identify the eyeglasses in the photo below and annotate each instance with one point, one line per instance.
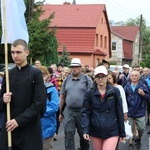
(101, 77)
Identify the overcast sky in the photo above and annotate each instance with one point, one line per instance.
(117, 10)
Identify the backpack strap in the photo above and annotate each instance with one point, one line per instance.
(86, 81)
(91, 96)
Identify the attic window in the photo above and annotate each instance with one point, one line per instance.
(96, 39)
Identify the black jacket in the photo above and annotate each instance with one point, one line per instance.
(103, 118)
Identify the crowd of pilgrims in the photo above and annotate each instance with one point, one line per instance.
(133, 84)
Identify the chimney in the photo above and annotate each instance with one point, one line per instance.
(74, 2)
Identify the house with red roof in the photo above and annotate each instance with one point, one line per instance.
(83, 29)
(125, 44)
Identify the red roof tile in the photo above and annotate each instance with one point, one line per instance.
(125, 32)
(74, 15)
(76, 40)
(127, 49)
(99, 52)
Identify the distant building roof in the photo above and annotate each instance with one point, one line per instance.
(76, 25)
(125, 32)
(74, 15)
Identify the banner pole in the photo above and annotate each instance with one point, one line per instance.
(6, 71)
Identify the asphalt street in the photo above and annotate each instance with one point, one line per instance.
(59, 144)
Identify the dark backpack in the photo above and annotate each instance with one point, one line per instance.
(47, 86)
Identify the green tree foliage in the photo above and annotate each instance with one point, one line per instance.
(147, 61)
(146, 43)
(145, 31)
(64, 58)
(42, 40)
(136, 22)
(43, 43)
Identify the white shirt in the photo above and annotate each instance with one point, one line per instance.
(124, 101)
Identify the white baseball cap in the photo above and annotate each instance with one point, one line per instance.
(125, 66)
(75, 62)
(100, 69)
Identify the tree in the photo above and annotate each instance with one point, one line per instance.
(145, 31)
(146, 43)
(147, 61)
(43, 43)
(42, 40)
(64, 58)
(136, 22)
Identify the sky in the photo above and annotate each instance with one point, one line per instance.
(117, 10)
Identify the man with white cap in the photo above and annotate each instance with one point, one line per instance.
(71, 94)
(125, 74)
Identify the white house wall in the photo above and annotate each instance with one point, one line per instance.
(118, 54)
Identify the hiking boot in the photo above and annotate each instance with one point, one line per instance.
(148, 123)
(137, 140)
(138, 143)
(131, 147)
(148, 132)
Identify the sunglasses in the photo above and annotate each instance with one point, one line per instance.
(101, 77)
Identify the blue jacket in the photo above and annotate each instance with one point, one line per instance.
(136, 102)
(48, 121)
(103, 118)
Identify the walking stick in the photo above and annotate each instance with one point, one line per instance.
(6, 71)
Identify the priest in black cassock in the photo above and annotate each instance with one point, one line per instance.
(27, 100)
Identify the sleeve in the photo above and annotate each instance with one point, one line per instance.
(3, 90)
(53, 102)
(124, 101)
(86, 113)
(119, 111)
(147, 93)
(38, 104)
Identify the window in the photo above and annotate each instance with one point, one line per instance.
(105, 42)
(114, 46)
(96, 39)
(101, 41)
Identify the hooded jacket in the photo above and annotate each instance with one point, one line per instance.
(48, 121)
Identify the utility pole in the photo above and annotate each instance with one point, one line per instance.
(140, 42)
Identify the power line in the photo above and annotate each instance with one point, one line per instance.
(120, 11)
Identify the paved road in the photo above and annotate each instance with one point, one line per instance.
(59, 144)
